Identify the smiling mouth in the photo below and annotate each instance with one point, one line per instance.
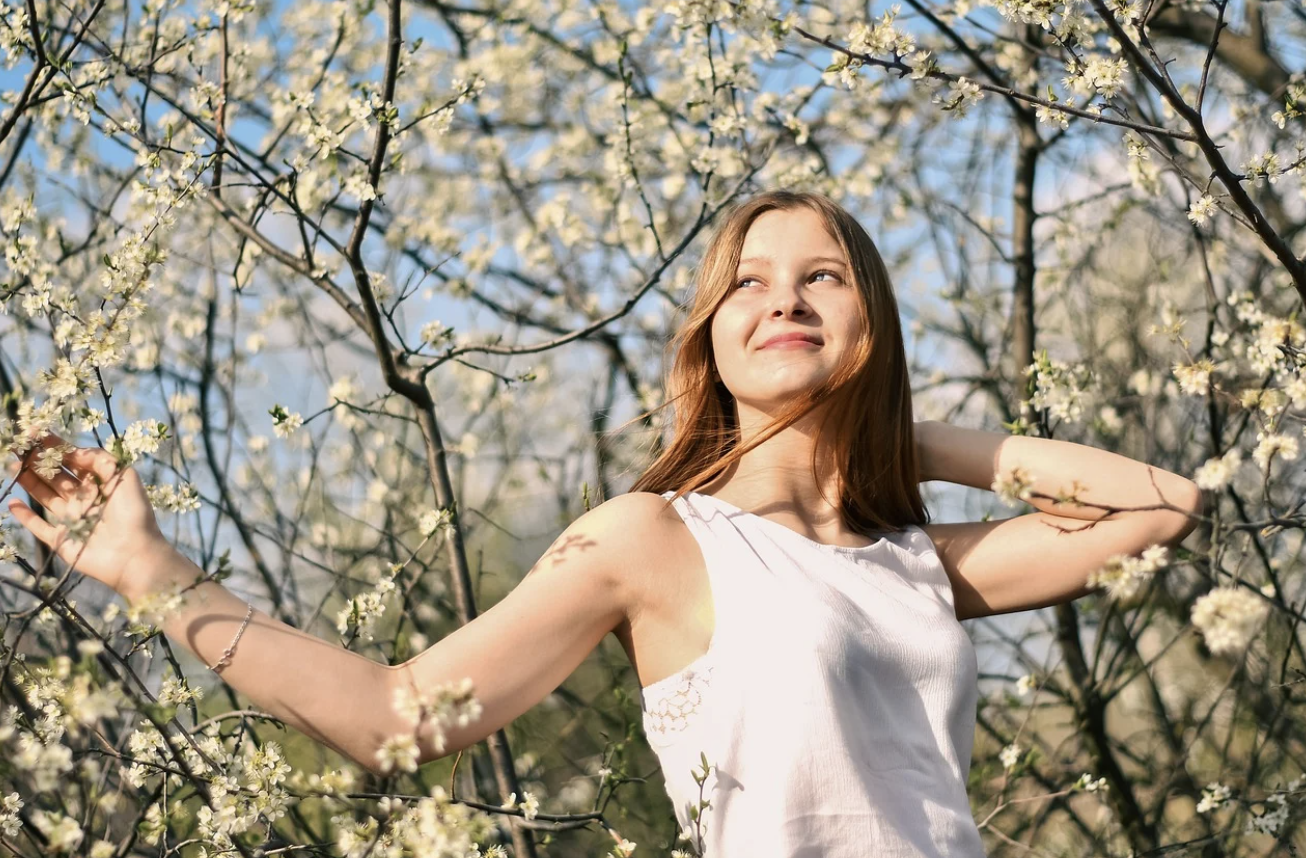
(792, 340)
(792, 344)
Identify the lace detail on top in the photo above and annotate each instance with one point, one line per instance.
(671, 704)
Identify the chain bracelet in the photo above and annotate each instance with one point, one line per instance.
(231, 650)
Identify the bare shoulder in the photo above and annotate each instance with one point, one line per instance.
(632, 537)
(631, 521)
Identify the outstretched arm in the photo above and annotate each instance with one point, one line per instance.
(338, 697)
(514, 655)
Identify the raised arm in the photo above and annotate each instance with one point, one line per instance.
(514, 654)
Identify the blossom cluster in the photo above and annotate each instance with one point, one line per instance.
(361, 613)
(430, 827)
(1014, 486)
(181, 498)
(1228, 618)
(1124, 575)
(432, 711)
(1062, 388)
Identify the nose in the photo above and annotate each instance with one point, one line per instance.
(788, 301)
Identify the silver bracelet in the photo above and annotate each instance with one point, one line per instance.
(231, 650)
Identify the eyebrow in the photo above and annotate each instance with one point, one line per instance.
(769, 259)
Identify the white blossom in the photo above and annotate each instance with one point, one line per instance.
(434, 333)
(882, 37)
(1124, 575)
(1087, 783)
(1195, 378)
(176, 691)
(433, 520)
(962, 95)
(285, 423)
(181, 498)
(359, 186)
(1063, 389)
(343, 389)
(398, 752)
(10, 824)
(362, 612)
(1215, 473)
(1270, 821)
(1228, 618)
(1048, 114)
(49, 462)
(1263, 166)
(1213, 795)
(1269, 445)
(1202, 210)
(434, 710)
(62, 833)
(1015, 486)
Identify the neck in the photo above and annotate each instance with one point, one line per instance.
(776, 475)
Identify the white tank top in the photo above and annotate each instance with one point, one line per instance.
(835, 703)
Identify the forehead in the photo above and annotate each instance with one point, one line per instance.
(780, 233)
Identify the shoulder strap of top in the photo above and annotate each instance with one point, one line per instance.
(720, 545)
(698, 518)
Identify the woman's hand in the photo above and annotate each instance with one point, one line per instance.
(103, 524)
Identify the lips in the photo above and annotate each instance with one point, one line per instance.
(792, 337)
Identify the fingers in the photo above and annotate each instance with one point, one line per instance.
(44, 443)
(39, 489)
(80, 460)
(65, 484)
(92, 460)
(63, 487)
(50, 441)
(45, 490)
(40, 528)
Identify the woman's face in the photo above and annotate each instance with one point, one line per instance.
(793, 279)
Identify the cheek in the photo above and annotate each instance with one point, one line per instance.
(850, 317)
(729, 337)
(853, 331)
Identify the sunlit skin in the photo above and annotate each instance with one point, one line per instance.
(793, 277)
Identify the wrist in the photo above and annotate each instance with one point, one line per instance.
(155, 570)
(923, 432)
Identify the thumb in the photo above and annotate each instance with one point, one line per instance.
(39, 527)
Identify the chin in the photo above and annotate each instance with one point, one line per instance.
(790, 379)
(774, 398)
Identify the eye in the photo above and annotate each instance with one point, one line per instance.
(742, 281)
(831, 273)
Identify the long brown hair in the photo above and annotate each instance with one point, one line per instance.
(867, 433)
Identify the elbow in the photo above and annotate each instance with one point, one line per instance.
(382, 750)
(1196, 507)
(366, 757)
(397, 744)
(1190, 509)
(372, 767)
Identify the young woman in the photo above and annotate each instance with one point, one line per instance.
(787, 611)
